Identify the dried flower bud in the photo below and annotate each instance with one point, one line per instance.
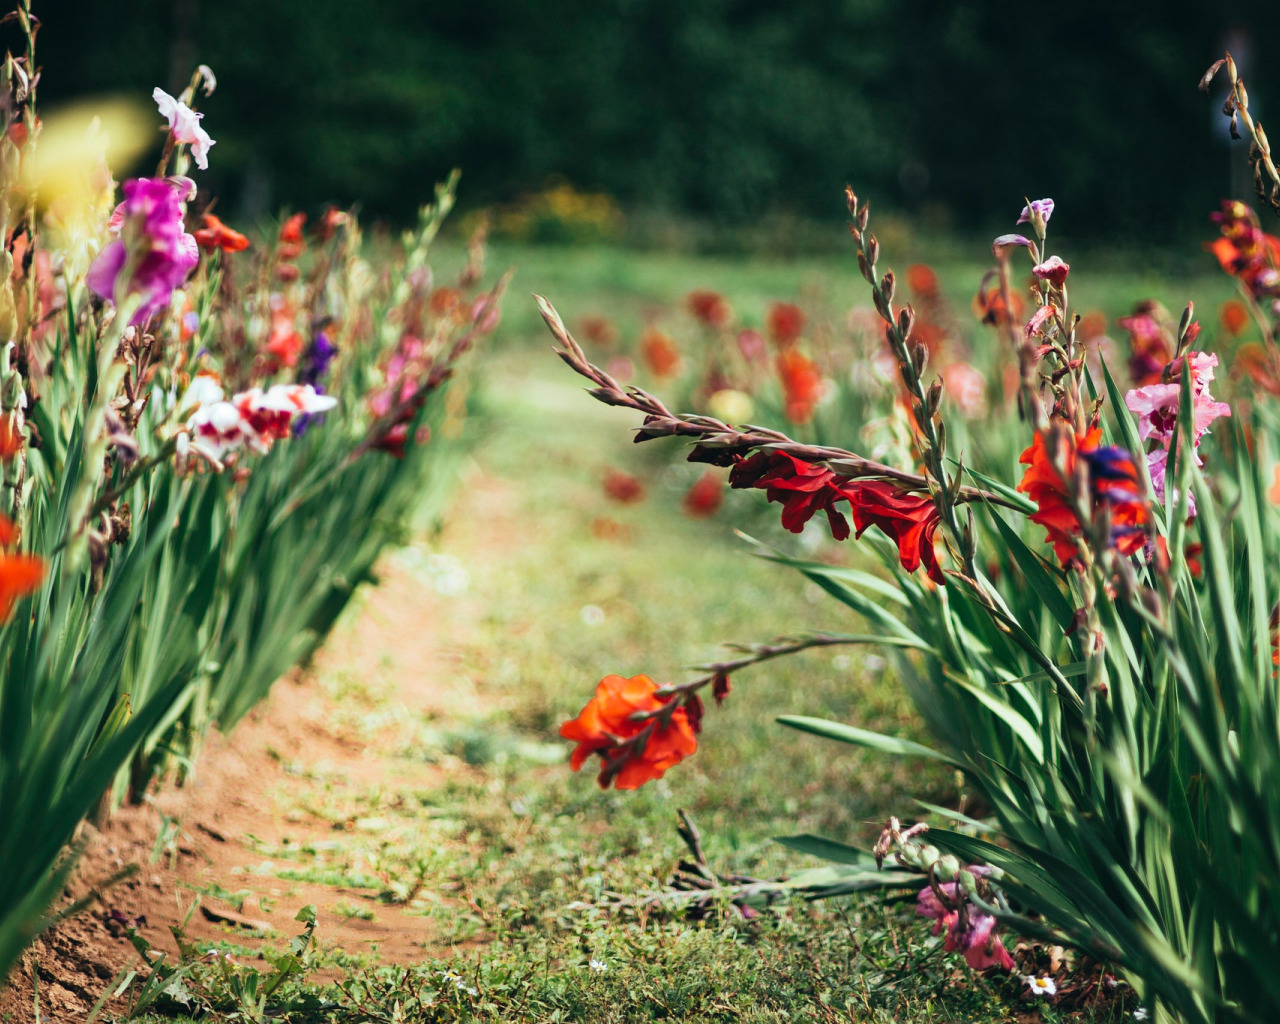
(887, 285)
(919, 359)
(872, 245)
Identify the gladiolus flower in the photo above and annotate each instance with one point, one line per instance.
(1113, 484)
(291, 244)
(153, 254)
(1234, 317)
(19, 574)
(184, 125)
(975, 938)
(786, 323)
(711, 308)
(216, 235)
(1036, 324)
(1054, 270)
(703, 499)
(922, 280)
(1245, 251)
(605, 727)
(1039, 208)
(988, 304)
(623, 487)
(801, 488)
(660, 352)
(966, 387)
(1157, 405)
(1006, 242)
(1152, 347)
(11, 437)
(801, 383)
(909, 520)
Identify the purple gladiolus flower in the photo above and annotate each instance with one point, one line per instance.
(153, 253)
(319, 355)
(1042, 207)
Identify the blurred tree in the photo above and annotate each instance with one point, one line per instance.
(722, 108)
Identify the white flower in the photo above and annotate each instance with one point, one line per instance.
(1140, 1013)
(184, 123)
(598, 965)
(1042, 986)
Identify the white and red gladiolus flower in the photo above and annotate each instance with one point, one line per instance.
(184, 126)
(253, 419)
(1156, 407)
(153, 253)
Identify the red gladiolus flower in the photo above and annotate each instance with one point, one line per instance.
(801, 383)
(786, 323)
(291, 244)
(909, 520)
(216, 235)
(802, 489)
(1234, 317)
(1113, 483)
(623, 487)
(19, 574)
(703, 499)
(605, 727)
(660, 352)
(711, 308)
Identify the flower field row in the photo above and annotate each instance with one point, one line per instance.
(207, 438)
(1080, 593)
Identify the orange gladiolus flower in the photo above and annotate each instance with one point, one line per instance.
(216, 235)
(660, 352)
(922, 280)
(1234, 317)
(605, 727)
(802, 384)
(19, 574)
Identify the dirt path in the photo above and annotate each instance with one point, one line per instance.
(303, 804)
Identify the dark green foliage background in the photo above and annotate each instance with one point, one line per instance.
(724, 109)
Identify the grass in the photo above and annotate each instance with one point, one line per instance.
(532, 872)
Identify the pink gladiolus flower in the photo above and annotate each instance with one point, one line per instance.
(1037, 321)
(184, 124)
(1053, 270)
(977, 940)
(152, 255)
(1041, 207)
(1156, 405)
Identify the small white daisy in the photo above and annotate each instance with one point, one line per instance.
(1042, 986)
(598, 965)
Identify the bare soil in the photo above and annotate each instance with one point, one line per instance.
(252, 790)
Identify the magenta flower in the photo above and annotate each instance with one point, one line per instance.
(1042, 208)
(1053, 270)
(153, 254)
(975, 938)
(184, 125)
